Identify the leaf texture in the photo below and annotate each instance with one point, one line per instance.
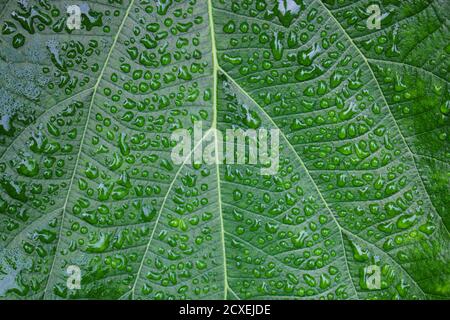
(87, 180)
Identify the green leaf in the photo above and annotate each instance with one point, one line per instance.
(87, 180)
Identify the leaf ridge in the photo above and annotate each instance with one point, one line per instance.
(214, 125)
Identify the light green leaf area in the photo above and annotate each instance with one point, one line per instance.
(87, 180)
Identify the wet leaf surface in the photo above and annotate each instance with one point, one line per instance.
(87, 180)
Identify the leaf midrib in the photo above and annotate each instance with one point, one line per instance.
(216, 67)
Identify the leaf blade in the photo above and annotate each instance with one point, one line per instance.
(361, 179)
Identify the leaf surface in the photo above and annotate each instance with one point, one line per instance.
(87, 179)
